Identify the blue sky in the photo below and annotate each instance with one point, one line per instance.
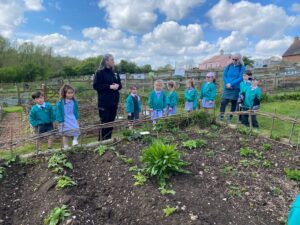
(153, 31)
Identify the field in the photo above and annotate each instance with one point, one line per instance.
(233, 179)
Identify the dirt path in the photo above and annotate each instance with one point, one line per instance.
(12, 123)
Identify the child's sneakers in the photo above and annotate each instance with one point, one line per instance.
(74, 142)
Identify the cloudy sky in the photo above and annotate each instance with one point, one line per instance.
(153, 32)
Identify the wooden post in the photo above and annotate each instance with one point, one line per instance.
(250, 120)
(11, 142)
(44, 87)
(273, 120)
(19, 95)
(292, 130)
(298, 144)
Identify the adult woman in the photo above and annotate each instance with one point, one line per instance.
(107, 83)
(233, 75)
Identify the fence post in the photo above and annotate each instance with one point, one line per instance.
(45, 90)
(250, 120)
(292, 130)
(11, 142)
(273, 120)
(19, 95)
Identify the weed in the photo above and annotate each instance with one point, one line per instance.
(2, 172)
(169, 211)
(247, 152)
(140, 179)
(133, 169)
(234, 191)
(58, 162)
(102, 149)
(57, 215)
(292, 174)
(246, 162)
(161, 160)
(266, 146)
(165, 191)
(191, 144)
(275, 137)
(229, 170)
(210, 153)
(64, 181)
(276, 191)
(131, 135)
(267, 164)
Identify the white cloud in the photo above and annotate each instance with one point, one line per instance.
(66, 28)
(133, 15)
(48, 20)
(140, 16)
(55, 5)
(251, 18)
(12, 14)
(270, 47)
(177, 9)
(295, 7)
(234, 42)
(34, 5)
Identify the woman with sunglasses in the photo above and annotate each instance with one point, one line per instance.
(233, 75)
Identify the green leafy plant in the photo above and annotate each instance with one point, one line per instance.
(275, 137)
(229, 170)
(247, 163)
(210, 153)
(276, 191)
(267, 164)
(247, 152)
(58, 162)
(131, 135)
(57, 215)
(103, 148)
(140, 179)
(234, 191)
(191, 144)
(165, 191)
(292, 174)
(169, 210)
(161, 160)
(2, 172)
(133, 169)
(64, 181)
(266, 146)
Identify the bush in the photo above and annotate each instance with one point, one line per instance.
(161, 160)
(292, 174)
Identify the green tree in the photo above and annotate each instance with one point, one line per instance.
(248, 61)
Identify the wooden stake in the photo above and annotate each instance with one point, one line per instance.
(292, 130)
(273, 120)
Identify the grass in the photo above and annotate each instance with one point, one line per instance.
(12, 109)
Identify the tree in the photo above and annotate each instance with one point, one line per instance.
(248, 61)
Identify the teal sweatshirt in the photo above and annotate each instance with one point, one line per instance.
(192, 96)
(157, 103)
(60, 113)
(172, 99)
(250, 96)
(294, 215)
(208, 91)
(243, 86)
(38, 115)
(130, 104)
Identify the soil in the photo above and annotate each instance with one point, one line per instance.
(105, 193)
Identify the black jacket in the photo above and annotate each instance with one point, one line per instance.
(102, 80)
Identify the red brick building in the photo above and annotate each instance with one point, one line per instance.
(292, 54)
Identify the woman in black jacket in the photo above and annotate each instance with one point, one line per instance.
(107, 83)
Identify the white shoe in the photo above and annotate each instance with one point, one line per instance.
(74, 142)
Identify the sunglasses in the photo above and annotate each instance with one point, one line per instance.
(235, 59)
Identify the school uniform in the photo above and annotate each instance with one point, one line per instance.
(243, 87)
(157, 102)
(172, 100)
(251, 96)
(207, 94)
(191, 99)
(41, 117)
(294, 215)
(133, 106)
(67, 115)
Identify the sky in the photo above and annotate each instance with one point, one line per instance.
(155, 32)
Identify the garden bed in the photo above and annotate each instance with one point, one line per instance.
(224, 186)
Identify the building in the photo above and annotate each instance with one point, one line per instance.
(216, 62)
(270, 62)
(292, 54)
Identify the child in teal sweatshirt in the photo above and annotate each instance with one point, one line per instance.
(157, 101)
(172, 99)
(191, 96)
(208, 92)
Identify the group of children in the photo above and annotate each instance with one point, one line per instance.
(162, 104)
(66, 114)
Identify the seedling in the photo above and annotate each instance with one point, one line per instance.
(191, 144)
(133, 169)
(103, 148)
(161, 161)
(169, 210)
(57, 215)
(2, 172)
(58, 162)
(276, 191)
(210, 153)
(247, 152)
(229, 170)
(292, 174)
(246, 162)
(266, 146)
(140, 179)
(267, 164)
(64, 181)
(234, 191)
(165, 191)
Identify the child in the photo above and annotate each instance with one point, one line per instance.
(172, 99)
(157, 101)
(208, 92)
(294, 215)
(67, 115)
(41, 117)
(247, 77)
(251, 102)
(133, 104)
(191, 96)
